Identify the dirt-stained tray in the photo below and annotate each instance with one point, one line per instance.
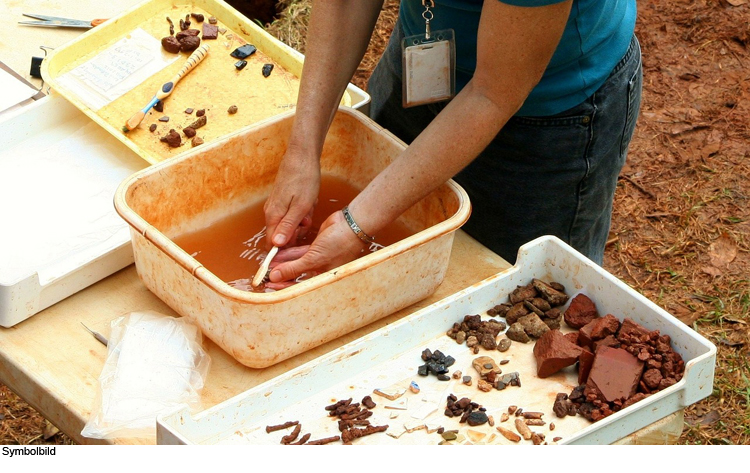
(388, 359)
(214, 85)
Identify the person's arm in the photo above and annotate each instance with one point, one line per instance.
(338, 36)
(514, 47)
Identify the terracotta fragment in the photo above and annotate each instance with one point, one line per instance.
(554, 352)
(615, 373)
(580, 312)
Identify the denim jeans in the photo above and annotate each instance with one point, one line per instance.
(551, 175)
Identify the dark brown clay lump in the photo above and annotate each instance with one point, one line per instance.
(172, 139)
(190, 43)
(232, 110)
(170, 44)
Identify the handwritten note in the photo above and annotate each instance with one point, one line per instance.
(117, 69)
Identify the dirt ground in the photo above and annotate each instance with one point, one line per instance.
(681, 225)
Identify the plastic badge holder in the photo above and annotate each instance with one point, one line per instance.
(429, 65)
(155, 365)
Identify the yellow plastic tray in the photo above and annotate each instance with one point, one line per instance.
(214, 85)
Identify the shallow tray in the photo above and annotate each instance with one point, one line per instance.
(214, 85)
(389, 357)
(58, 175)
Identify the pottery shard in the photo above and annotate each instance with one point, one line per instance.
(615, 373)
(581, 311)
(522, 293)
(517, 334)
(533, 325)
(554, 352)
(548, 293)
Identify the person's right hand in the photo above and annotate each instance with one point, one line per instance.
(290, 206)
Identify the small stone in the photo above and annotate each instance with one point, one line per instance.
(200, 122)
(460, 337)
(164, 119)
(267, 68)
(159, 106)
(471, 341)
(457, 374)
(449, 435)
(189, 131)
(197, 141)
(200, 112)
(414, 387)
(212, 20)
(232, 110)
(477, 418)
(466, 380)
(198, 17)
(188, 111)
(504, 344)
(222, 30)
(443, 377)
(484, 386)
(517, 333)
(152, 128)
(504, 362)
(504, 416)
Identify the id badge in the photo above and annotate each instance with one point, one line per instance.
(429, 66)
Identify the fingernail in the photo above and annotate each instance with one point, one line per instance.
(278, 240)
(275, 275)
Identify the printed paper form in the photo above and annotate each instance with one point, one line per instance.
(117, 69)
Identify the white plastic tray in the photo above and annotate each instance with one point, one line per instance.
(60, 232)
(390, 356)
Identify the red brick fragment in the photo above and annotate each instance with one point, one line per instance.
(581, 311)
(554, 352)
(585, 362)
(615, 373)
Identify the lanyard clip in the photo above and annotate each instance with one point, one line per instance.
(428, 16)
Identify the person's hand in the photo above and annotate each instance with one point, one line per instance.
(289, 208)
(335, 245)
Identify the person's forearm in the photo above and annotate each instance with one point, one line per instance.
(338, 36)
(508, 67)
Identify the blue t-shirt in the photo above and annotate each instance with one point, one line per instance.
(596, 37)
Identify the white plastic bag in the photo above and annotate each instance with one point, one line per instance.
(155, 364)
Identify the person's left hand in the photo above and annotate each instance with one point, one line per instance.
(335, 245)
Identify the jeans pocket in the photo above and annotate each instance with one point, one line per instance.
(633, 107)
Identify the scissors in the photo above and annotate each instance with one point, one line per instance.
(57, 22)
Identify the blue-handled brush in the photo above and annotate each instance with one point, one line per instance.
(167, 88)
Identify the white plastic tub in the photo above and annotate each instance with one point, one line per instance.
(190, 192)
(389, 357)
(60, 234)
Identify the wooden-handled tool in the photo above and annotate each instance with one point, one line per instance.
(167, 88)
(262, 275)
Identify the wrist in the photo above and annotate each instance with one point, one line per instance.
(352, 223)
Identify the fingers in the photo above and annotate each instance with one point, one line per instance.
(289, 254)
